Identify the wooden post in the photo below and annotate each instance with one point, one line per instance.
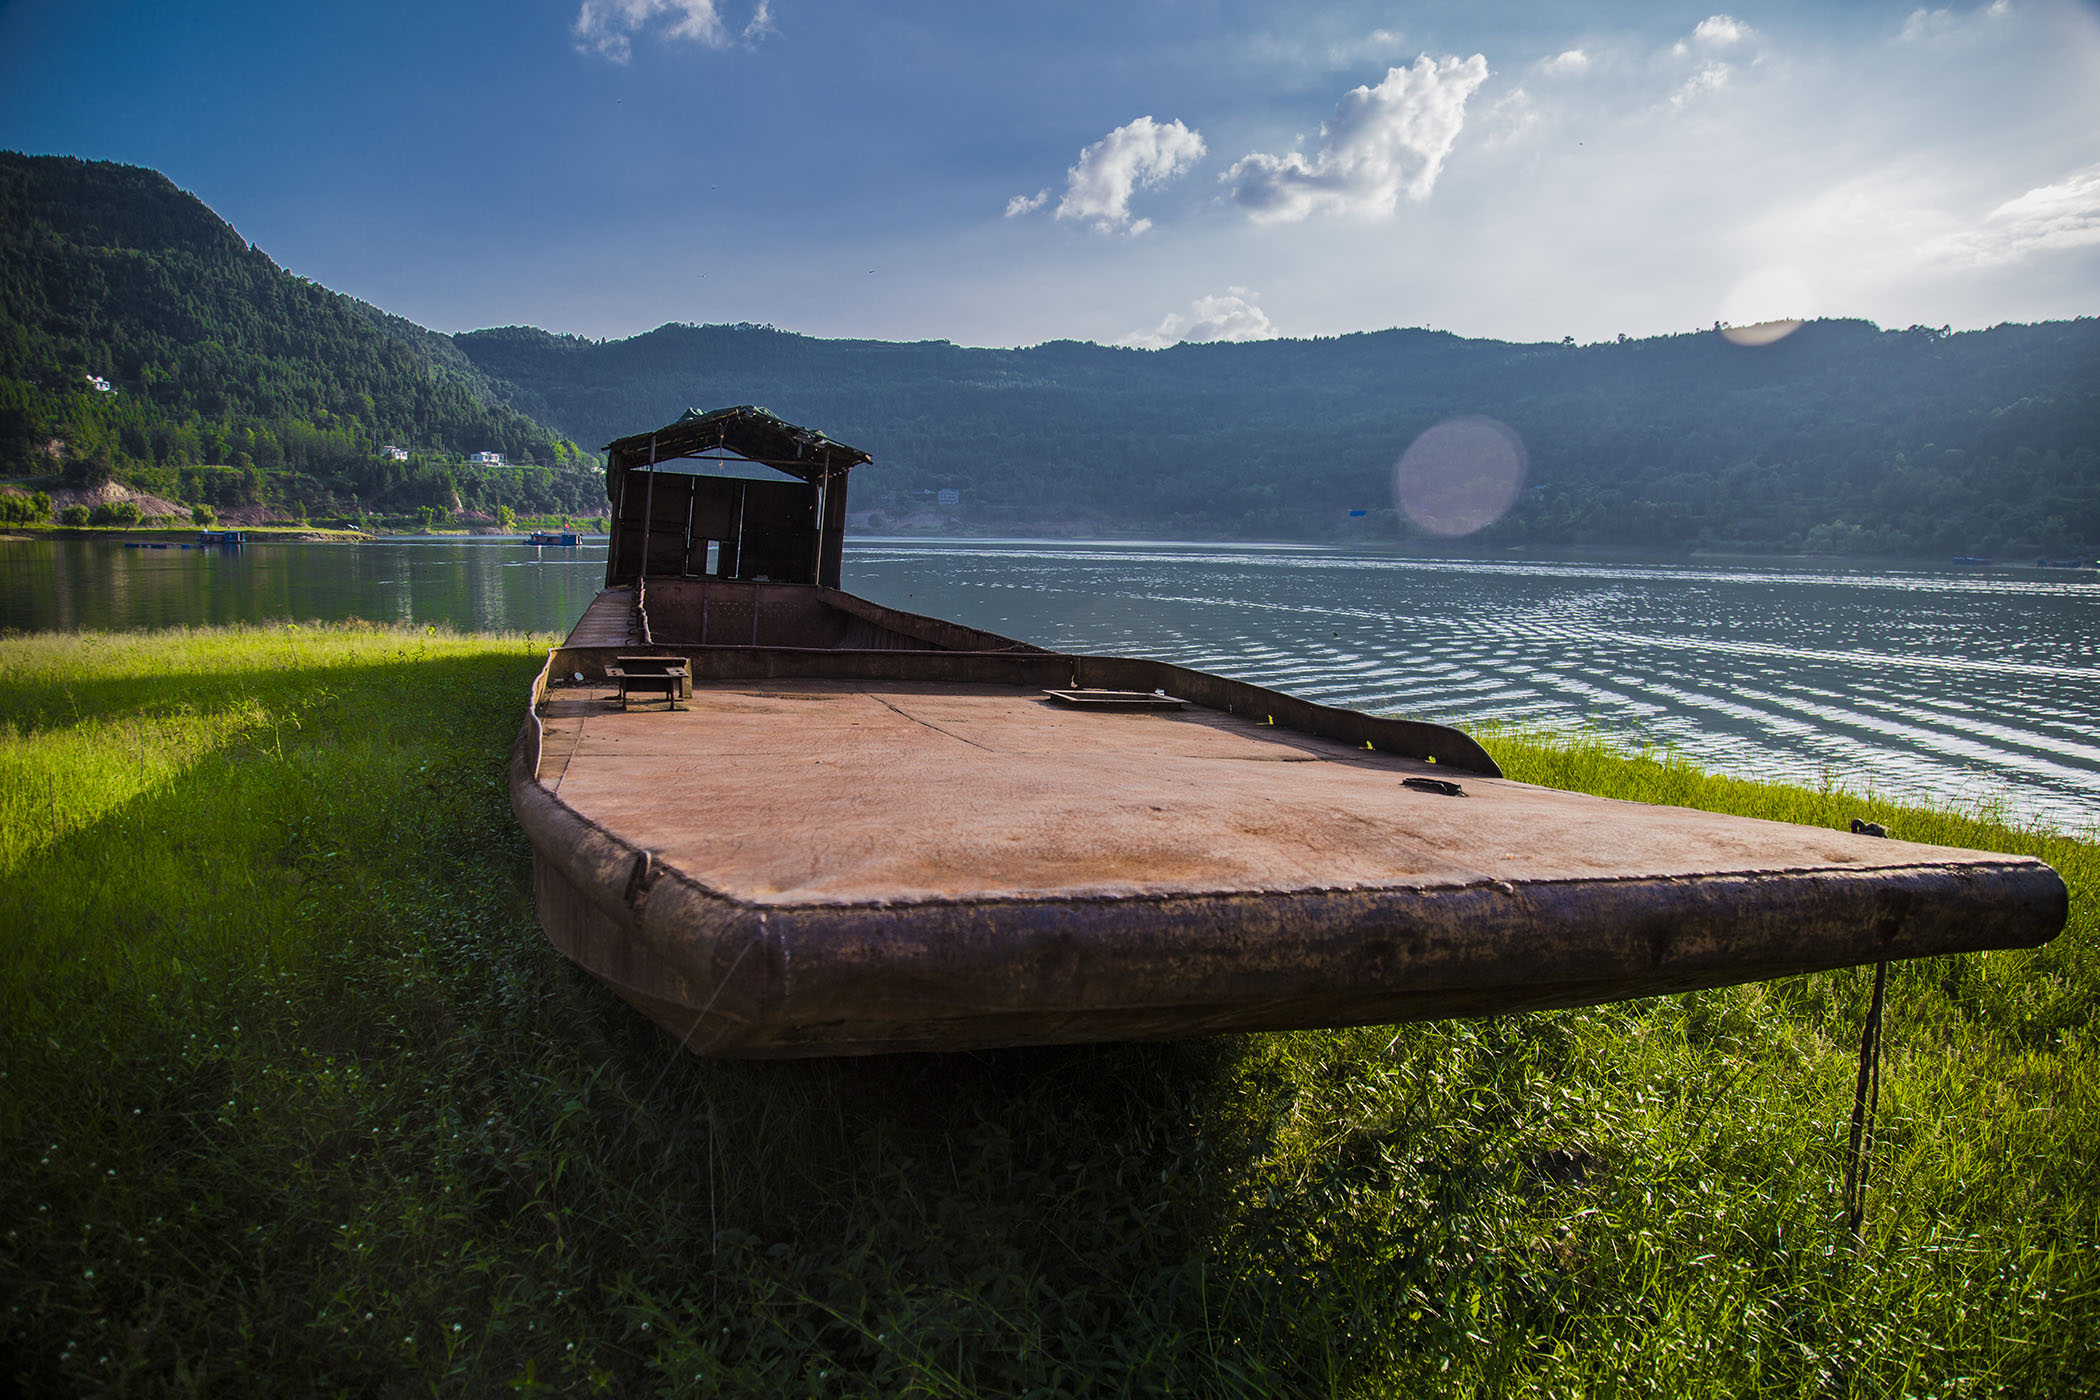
(816, 565)
(612, 552)
(648, 509)
(685, 560)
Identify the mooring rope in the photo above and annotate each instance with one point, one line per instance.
(1866, 1097)
(1866, 1091)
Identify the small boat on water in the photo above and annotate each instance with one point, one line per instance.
(563, 538)
(831, 827)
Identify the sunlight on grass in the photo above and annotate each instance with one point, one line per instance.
(294, 1098)
(56, 782)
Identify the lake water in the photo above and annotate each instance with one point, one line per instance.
(1953, 685)
(481, 585)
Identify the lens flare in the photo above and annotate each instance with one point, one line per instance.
(1768, 305)
(1460, 476)
(1763, 333)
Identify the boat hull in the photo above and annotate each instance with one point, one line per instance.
(838, 851)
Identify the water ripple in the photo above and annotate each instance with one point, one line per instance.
(1949, 686)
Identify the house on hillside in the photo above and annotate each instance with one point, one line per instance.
(393, 453)
(101, 385)
(486, 459)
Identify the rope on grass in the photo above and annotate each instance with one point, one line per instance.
(1866, 1097)
(1866, 1091)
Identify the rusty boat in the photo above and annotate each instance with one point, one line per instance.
(783, 820)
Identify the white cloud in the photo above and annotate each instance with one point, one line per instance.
(1719, 31)
(608, 27)
(1710, 77)
(1306, 47)
(1514, 116)
(1026, 203)
(1571, 64)
(1710, 34)
(1932, 24)
(1378, 43)
(1141, 155)
(2048, 219)
(1926, 24)
(1233, 316)
(1714, 32)
(1382, 142)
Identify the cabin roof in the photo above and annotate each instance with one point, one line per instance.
(746, 430)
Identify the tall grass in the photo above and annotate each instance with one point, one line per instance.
(294, 1098)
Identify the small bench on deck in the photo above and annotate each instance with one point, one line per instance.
(667, 675)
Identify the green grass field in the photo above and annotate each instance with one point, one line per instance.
(295, 1099)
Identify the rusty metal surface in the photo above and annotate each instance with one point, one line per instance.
(752, 432)
(805, 632)
(1047, 670)
(736, 612)
(849, 865)
(1118, 699)
(610, 621)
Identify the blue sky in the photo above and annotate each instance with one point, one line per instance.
(1140, 172)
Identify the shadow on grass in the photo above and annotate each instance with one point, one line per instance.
(302, 1093)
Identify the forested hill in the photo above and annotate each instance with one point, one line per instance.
(211, 356)
(1840, 438)
(142, 338)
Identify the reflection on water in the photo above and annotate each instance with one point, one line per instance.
(490, 585)
(1956, 686)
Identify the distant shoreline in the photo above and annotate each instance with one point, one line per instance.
(187, 534)
(1597, 554)
(1486, 554)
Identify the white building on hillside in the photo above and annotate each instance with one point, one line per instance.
(486, 459)
(393, 453)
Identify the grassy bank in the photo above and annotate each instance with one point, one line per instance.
(154, 530)
(295, 1099)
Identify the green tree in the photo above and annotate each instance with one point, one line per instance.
(95, 466)
(506, 520)
(75, 515)
(17, 509)
(203, 514)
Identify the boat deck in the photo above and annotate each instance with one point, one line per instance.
(828, 792)
(609, 621)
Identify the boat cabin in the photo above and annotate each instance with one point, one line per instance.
(733, 493)
(728, 529)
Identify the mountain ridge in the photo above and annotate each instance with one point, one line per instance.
(1841, 437)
